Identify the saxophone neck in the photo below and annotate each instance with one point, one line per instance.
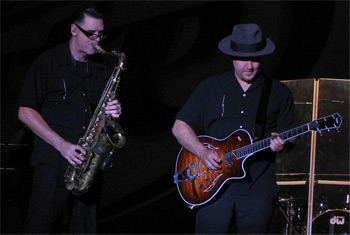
(115, 53)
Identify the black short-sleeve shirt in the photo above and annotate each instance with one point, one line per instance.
(219, 106)
(65, 92)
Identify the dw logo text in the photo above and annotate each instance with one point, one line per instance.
(339, 220)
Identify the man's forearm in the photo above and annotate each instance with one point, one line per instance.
(188, 138)
(38, 125)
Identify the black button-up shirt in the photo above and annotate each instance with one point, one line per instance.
(65, 93)
(219, 106)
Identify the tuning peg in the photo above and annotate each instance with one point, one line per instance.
(319, 131)
(326, 127)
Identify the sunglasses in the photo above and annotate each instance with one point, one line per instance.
(91, 35)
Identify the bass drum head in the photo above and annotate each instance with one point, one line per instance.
(335, 221)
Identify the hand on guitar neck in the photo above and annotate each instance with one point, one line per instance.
(277, 144)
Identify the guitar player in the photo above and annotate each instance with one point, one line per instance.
(241, 99)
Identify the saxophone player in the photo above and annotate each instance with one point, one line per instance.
(61, 88)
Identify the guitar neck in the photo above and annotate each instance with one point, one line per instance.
(265, 143)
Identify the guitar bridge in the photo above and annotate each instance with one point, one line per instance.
(190, 173)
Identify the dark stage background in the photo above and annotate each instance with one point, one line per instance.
(170, 47)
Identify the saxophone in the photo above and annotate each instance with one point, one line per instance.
(101, 137)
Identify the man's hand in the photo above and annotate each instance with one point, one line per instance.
(38, 125)
(73, 153)
(114, 108)
(276, 143)
(210, 159)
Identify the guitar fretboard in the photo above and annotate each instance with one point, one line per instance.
(265, 143)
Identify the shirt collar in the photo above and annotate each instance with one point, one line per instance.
(231, 80)
(65, 56)
(74, 62)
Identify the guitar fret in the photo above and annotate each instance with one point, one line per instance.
(255, 147)
(289, 135)
(294, 132)
(267, 142)
(251, 149)
(241, 153)
(260, 145)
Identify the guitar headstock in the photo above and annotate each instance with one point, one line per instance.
(333, 121)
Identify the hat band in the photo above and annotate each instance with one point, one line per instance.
(248, 48)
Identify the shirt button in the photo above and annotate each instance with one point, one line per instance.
(83, 94)
(85, 110)
(240, 126)
(244, 95)
(242, 112)
(83, 127)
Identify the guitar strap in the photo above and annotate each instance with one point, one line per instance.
(261, 117)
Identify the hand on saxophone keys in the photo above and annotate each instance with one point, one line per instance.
(114, 108)
(72, 153)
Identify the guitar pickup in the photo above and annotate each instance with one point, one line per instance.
(228, 158)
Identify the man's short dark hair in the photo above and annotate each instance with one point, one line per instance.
(79, 14)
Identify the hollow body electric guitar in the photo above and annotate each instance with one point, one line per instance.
(197, 185)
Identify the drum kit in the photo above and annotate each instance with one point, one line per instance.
(325, 220)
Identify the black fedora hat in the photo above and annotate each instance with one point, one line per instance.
(246, 40)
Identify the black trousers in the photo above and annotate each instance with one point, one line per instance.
(231, 213)
(50, 200)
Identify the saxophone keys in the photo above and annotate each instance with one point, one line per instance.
(89, 139)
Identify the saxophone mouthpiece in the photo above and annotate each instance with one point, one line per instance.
(99, 49)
